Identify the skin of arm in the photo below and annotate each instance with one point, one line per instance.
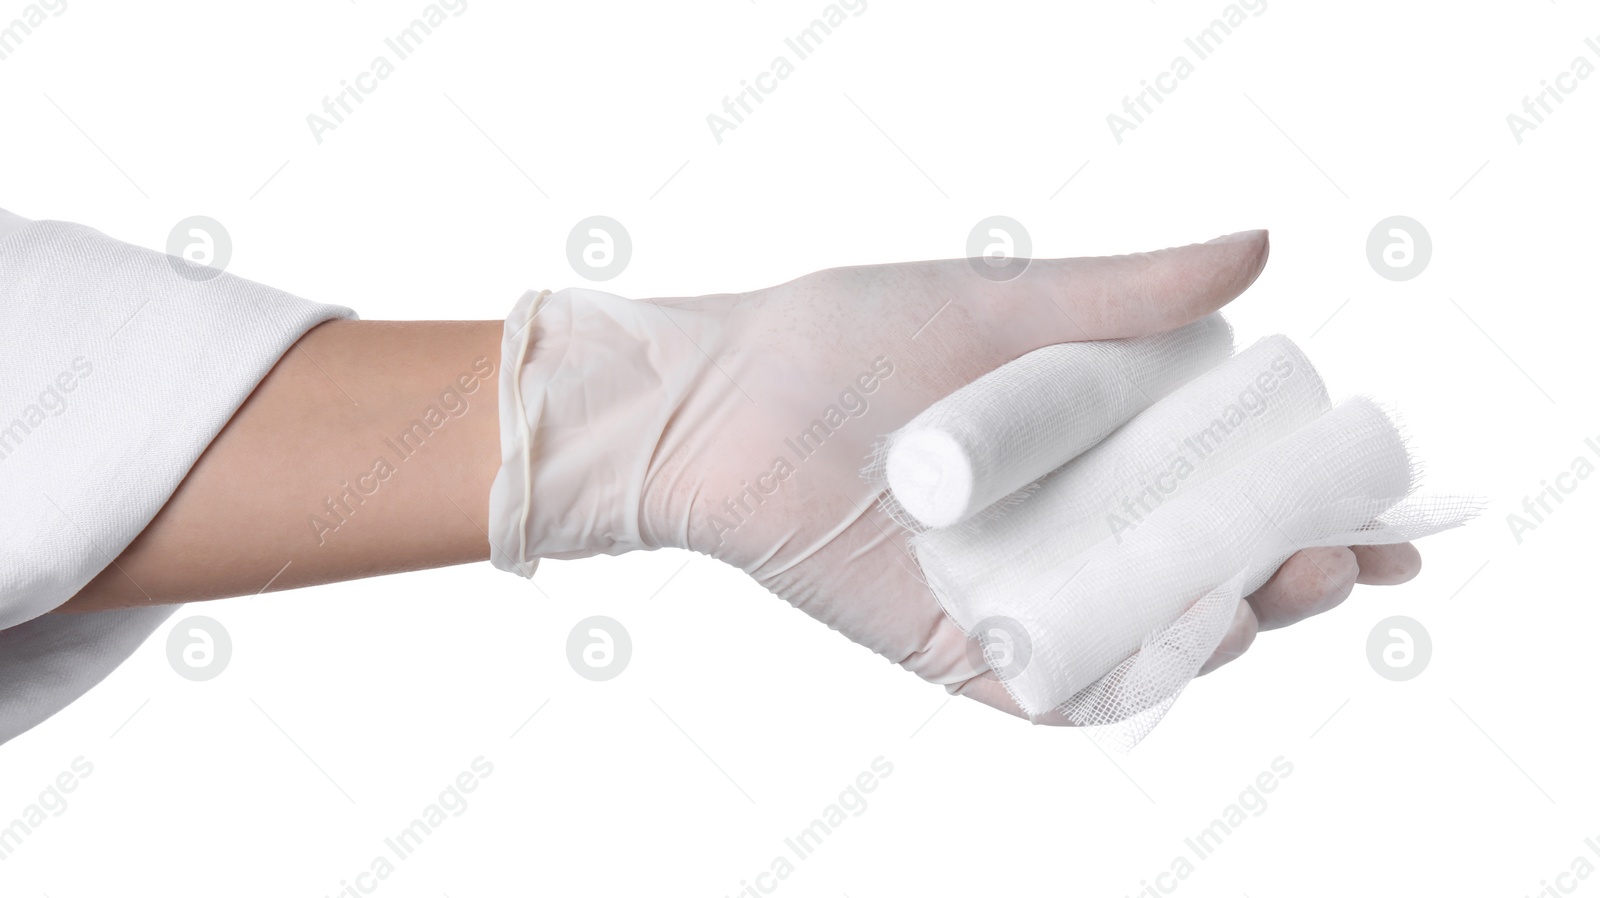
(368, 449)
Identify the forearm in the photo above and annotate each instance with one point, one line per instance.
(369, 449)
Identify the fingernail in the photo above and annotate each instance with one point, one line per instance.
(1238, 236)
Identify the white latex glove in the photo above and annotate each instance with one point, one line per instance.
(679, 423)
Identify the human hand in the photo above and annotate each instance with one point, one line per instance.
(737, 425)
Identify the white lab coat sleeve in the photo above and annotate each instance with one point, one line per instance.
(118, 366)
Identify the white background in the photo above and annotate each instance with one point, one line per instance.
(347, 709)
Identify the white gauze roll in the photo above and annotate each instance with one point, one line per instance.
(1181, 441)
(1024, 419)
(1324, 484)
(1130, 700)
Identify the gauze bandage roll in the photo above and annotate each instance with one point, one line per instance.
(1101, 588)
(1023, 420)
(1199, 430)
(1327, 483)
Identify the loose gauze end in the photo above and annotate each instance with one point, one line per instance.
(1025, 419)
(1099, 589)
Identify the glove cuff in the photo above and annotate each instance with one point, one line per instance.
(585, 393)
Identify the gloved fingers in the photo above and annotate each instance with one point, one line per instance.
(1241, 633)
(1310, 582)
(1110, 297)
(1384, 565)
(1387, 565)
(864, 584)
